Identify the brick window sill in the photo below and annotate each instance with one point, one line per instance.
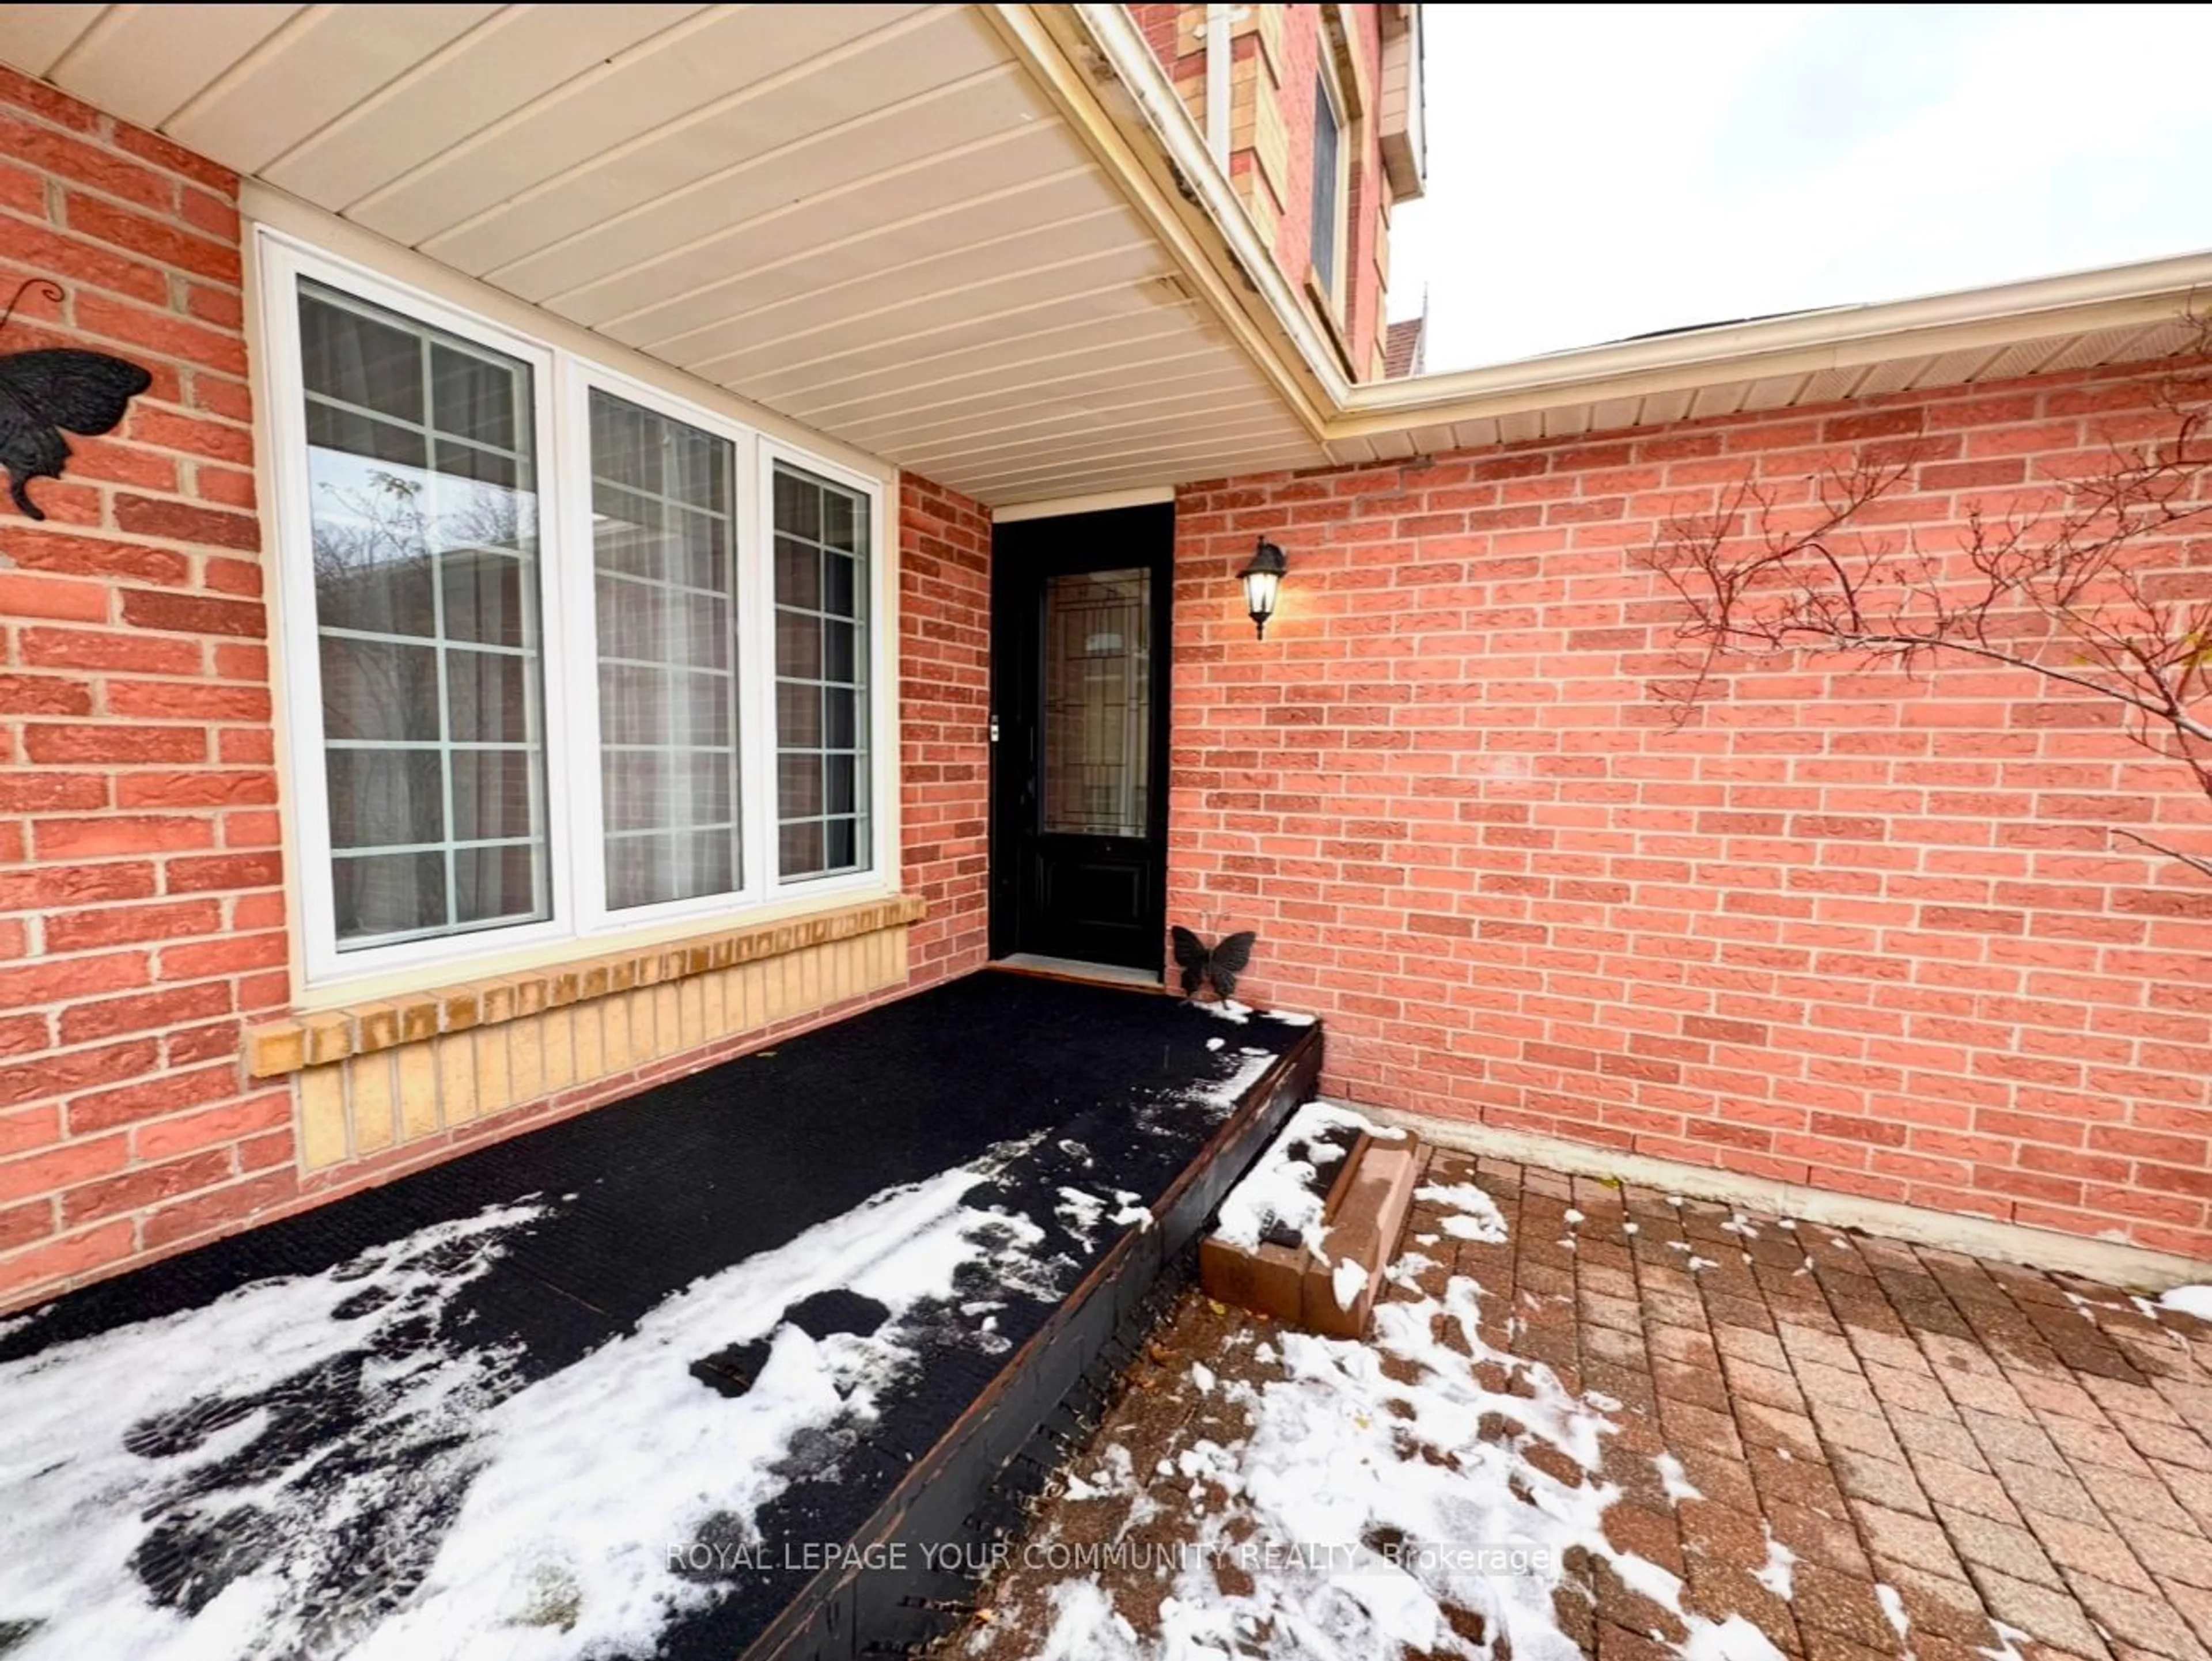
(277, 1048)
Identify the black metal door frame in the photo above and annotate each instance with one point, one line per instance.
(1024, 554)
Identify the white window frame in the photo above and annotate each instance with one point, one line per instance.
(582, 645)
(883, 758)
(562, 382)
(1339, 231)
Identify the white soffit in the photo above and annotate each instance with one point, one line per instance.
(1516, 403)
(866, 217)
(881, 221)
(1098, 59)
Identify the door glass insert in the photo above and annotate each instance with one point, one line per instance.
(1097, 703)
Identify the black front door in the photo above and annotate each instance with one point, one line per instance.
(1080, 605)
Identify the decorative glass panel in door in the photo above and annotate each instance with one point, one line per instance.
(1097, 703)
(1079, 681)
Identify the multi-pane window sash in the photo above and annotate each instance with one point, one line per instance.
(664, 550)
(1328, 143)
(568, 655)
(822, 676)
(423, 510)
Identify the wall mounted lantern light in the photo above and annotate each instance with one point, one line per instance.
(1263, 583)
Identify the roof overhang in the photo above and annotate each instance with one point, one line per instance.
(2119, 314)
(873, 219)
(985, 242)
(2122, 314)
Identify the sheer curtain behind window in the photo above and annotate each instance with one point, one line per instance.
(423, 505)
(821, 674)
(663, 552)
(591, 658)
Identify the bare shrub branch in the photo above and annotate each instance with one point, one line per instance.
(2083, 580)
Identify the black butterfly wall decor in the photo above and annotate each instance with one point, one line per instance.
(1217, 965)
(56, 388)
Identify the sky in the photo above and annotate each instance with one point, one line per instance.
(1595, 171)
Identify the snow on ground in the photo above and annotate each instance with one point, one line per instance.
(1347, 1281)
(1407, 1270)
(1893, 1607)
(2190, 1301)
(1116, 1474)
(1733, 1639)
(1363, 1506)
(1277, 1188)
(1086, 1628)
(525, 1521)
(1082, 1214)
(1478, 1217)
(1218, 1100)
(1130, 1211)
(552, 1510)
(99, 1440)
(1778, 1573)
(1168, 1112)
(1675, 1479)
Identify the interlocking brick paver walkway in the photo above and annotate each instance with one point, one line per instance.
(1974, 1443)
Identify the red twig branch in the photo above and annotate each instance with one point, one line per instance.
(2082, 590)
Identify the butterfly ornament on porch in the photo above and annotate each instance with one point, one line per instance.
(53, 389)
(1217, 966)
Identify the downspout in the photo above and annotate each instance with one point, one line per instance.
(1219, 51)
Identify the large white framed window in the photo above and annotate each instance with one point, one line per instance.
(565, 655)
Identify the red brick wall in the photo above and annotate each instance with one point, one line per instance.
(1301, 63)
(1363, 288)
(142, 911)
(1857, 930)
(944, 764)
(141, 916)
(1159, 25)
(1364, 292)
(1172, 31)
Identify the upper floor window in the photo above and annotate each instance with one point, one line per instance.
(1329, 158)
(565, 655)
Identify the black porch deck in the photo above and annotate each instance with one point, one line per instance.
(649, 1382)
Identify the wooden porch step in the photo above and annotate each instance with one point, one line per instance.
(1305, 1238)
